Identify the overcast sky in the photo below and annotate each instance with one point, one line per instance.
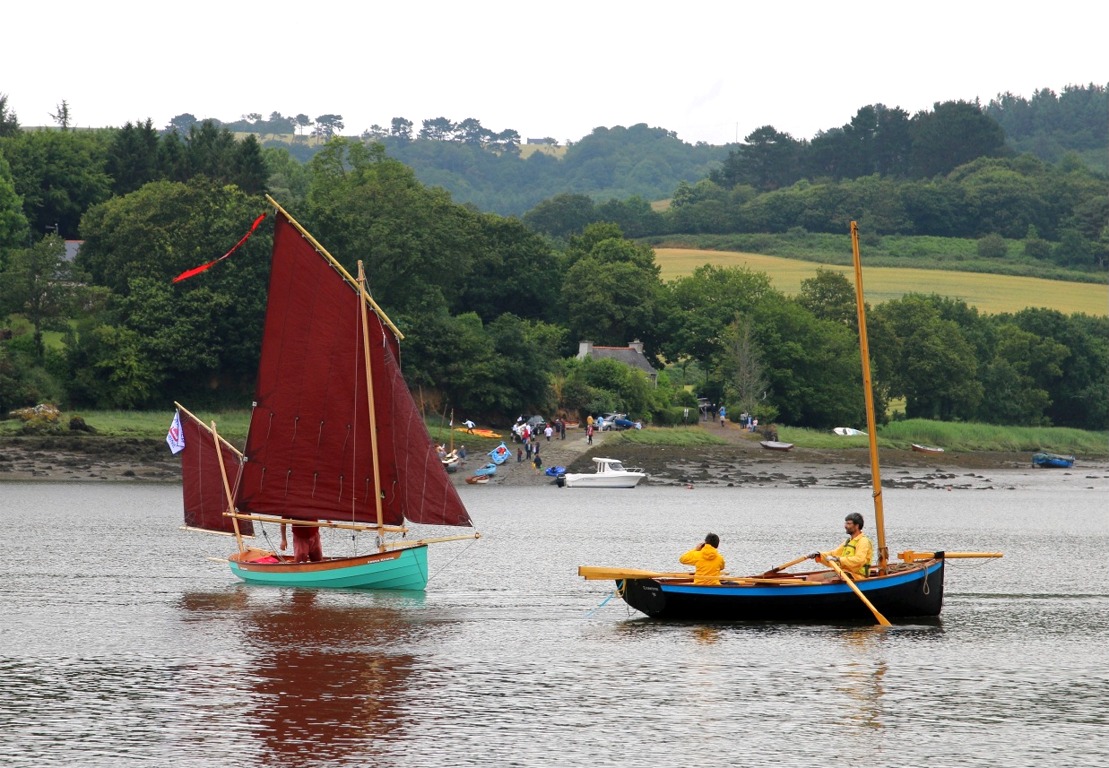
(709, 71)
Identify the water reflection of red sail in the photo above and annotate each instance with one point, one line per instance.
(314, 708)
(324, 682)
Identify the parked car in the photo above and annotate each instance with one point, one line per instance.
(608, 420)
(536, 421)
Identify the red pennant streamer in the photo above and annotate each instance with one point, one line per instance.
(197, 270)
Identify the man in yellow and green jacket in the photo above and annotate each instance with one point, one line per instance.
(855, 554)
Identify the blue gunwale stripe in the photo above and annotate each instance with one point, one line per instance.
(762, 590)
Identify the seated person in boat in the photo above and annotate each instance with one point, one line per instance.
(707, 560)
(306, 543)
(855, 554)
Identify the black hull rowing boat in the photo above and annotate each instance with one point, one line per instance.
(914, 591)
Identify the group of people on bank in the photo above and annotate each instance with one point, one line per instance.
(853, 556)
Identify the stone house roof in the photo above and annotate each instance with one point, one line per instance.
(630, 355)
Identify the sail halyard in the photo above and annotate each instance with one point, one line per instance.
(306, 434)
(871, 425)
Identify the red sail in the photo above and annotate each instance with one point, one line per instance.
(202, 481)
(309, 453)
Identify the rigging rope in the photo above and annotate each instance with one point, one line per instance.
(441, 569)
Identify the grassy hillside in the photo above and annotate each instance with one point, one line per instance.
(990, 293)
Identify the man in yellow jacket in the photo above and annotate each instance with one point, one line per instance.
(708, 561)
(855, 554)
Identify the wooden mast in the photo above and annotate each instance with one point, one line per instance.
(370, 403)
(871, 426)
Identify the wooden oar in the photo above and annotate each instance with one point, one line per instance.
(851, 583)
(912, 557)
(598, 572)
(602, 573)
(790, 564)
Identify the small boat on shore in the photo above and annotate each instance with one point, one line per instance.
(925, 448)
(849, 432)
(774, 445)
(610, 473)
(500, 454)
(478, 479)
(1052, 460)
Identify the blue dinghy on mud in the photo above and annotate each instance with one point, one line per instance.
(1052, 460)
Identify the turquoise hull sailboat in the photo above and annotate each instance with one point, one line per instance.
(335, 439)
(397, 569)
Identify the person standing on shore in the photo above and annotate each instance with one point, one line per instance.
(589, 435)
(707, 560)
(723, 415)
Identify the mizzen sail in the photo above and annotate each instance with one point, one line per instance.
(205, 495)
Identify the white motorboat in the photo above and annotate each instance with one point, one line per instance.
(610, 473)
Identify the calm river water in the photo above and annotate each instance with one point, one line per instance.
(121, 644)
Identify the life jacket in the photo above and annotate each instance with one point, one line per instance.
(848, 550)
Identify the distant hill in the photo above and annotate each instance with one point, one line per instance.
(609, 163)
(640, 161)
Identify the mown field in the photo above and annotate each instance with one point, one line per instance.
(990, 293)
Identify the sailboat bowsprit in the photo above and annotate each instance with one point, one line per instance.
(335, 438)
(910, 588)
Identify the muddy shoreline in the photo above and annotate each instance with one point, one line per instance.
(741, 463)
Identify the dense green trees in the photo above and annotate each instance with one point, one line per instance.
(492, 307)
(201, 334)
(13, 223)
(40, 285)
(59, 174)
(1050, 125)
(609, 287)
(418, 247)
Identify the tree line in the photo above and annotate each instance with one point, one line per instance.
(492, 308)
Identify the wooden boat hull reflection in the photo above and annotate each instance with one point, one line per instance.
(396, 569)
(915, 591)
